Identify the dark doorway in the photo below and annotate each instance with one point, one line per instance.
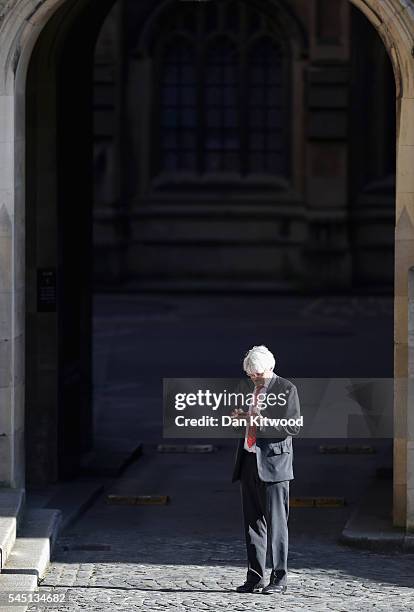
(245, 243)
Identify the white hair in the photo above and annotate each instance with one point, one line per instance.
(258, 359)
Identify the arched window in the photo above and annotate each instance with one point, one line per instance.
(221, 143)
(221, 103)
(266, 109)
(178, 111)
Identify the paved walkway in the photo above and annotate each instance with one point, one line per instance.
(151, 573)
(189, 554)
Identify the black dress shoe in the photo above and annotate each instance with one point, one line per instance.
(273, 587)
(250, 587)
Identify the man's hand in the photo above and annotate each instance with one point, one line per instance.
(238, 413)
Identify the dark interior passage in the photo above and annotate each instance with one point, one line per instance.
(249, 200)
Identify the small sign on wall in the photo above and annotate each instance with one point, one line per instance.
(46, 290)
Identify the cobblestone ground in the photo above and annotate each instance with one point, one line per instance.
(189, 555)
(151, 573)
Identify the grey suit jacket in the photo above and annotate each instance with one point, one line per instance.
(274, 455)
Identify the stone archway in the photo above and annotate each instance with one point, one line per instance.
(21, 23)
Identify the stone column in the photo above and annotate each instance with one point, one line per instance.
(11, 302)
(404, 324)
(407, 459)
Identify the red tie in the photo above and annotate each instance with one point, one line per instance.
(251, 429)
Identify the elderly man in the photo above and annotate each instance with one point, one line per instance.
(264, 467)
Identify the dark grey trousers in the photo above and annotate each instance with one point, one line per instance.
(265, 513)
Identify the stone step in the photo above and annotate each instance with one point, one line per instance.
(72, 498)
(34, 543)
(15, 584)
(11, 512)
(370, 526)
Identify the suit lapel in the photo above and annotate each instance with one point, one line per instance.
(272, 382)
(274, 378)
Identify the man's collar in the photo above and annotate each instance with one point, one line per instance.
(270, 381)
